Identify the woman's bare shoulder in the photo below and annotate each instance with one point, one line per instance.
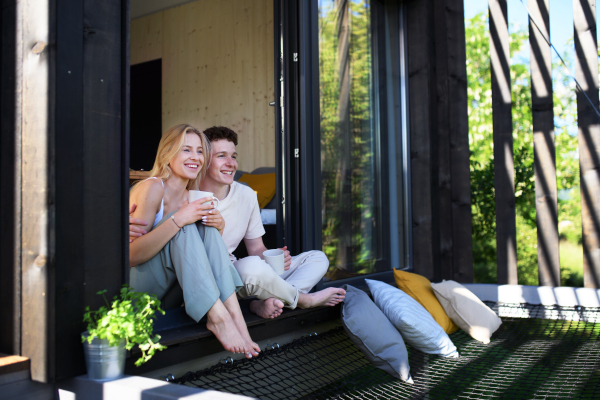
(150, 190)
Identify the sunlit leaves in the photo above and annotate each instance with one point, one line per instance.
(482, 155)
(131, 317)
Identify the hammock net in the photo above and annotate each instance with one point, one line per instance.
(539, 352)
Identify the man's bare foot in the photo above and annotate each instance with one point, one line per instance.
(223, 326)
(326, 297)
(268, 308)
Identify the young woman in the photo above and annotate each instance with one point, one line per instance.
(179, 247)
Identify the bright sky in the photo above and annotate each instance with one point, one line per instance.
(561, 21)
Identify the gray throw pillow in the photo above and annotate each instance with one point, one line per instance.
(374, 334)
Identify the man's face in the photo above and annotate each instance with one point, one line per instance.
(224, 162)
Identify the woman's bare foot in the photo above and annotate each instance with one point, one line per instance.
(268, 308)
(251, 349)
(326, 297)
(255, 348)
(223, 326)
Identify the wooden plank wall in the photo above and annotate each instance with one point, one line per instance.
(421, 66)
(444, 181)
(543, 144)
(37, 209)
(63, 103)
(586, 63)
(217, 60)
(504, 171)
(70, 246)
(441, 201)
(458, 122)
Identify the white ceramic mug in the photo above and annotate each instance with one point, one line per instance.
(276, 259)
(199, 194)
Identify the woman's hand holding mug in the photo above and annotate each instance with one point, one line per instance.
(192, 212)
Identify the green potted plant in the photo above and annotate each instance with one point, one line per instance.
(117, 327)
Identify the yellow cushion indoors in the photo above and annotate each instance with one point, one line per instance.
(264, 185)
(419, 288)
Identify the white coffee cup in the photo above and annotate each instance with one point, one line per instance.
(199, 194)
(276, 259)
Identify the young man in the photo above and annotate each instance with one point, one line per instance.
(240, 215)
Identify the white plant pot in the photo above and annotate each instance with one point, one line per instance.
(104, 362)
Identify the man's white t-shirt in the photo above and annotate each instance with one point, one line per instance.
(242, 217)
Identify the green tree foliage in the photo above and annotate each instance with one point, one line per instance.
(482, 156)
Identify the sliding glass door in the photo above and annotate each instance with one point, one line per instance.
(343, 133)
(361, 132)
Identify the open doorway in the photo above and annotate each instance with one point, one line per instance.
(217, 69)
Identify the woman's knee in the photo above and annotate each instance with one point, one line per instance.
(206, 231)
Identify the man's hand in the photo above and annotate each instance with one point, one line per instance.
(214, 219)
(287, 258)
(134, 230)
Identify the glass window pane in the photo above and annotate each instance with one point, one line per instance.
(349, 144)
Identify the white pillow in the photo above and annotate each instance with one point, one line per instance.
(417, 326)
(466, 310)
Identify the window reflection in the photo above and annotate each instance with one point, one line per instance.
(350, 180)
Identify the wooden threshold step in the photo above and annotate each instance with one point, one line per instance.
(13, 368)
(10, 364)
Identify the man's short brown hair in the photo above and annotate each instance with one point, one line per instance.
(221, 132)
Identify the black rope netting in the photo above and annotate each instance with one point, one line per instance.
(539, 352)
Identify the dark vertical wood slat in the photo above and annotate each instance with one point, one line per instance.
(102, 147)
(37, 172)
(70, 276)
(586, 62)
(293, 231)
(310, 141)
(458, 123)
(293, 107)
(125, 132)
(504, 170)
(420, 56)
(91, 166)
(444, 181)
(543, 144)
(279, 144)
(10, 183)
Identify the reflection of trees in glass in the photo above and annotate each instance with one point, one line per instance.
(347, 163)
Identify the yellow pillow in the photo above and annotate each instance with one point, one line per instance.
(419, 288)
(264, 185)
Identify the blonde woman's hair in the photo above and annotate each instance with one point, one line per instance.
(170, 145)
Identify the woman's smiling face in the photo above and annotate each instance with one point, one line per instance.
(224, 162)
(189, 161)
